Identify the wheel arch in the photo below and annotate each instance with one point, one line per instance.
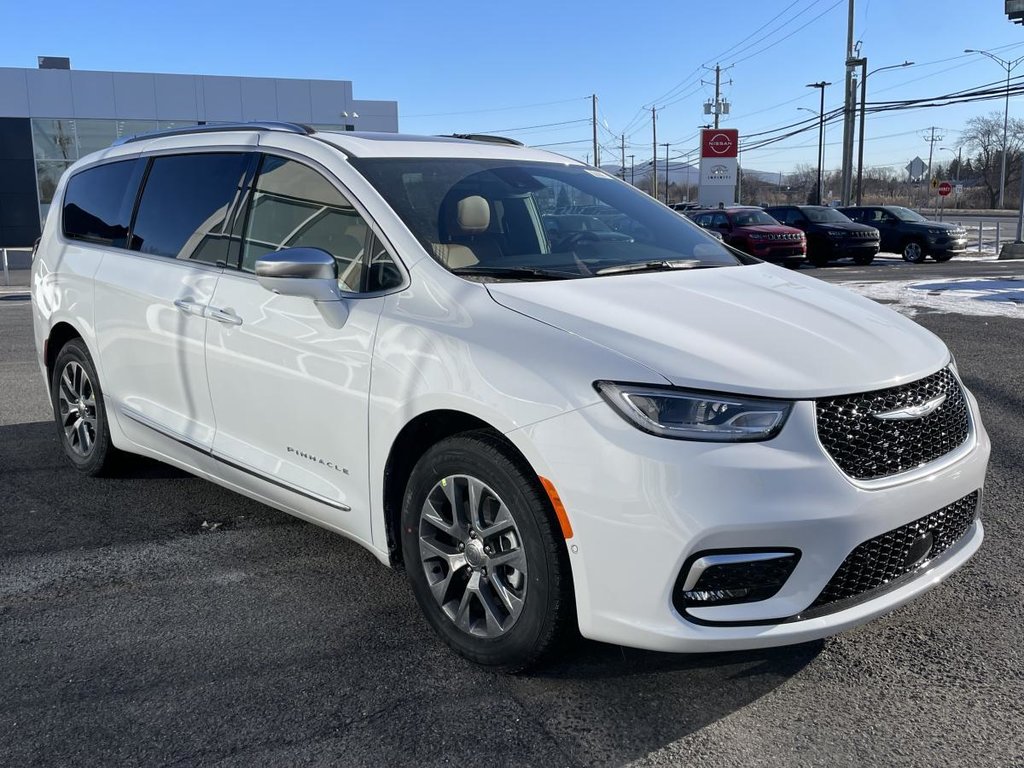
(60, 334)
(411, 442)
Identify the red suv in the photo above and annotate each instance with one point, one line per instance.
(753, 231)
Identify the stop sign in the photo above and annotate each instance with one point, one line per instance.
(945, 188)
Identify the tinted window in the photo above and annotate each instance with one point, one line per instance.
(185, 206)
(294, 206)
(98, 202)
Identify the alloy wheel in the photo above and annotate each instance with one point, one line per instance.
(76, 401)
(913, 252)
(472, 554)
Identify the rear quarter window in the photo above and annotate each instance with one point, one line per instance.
(98, 203)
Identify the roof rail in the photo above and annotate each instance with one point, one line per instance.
(259, 125)
(486, 137)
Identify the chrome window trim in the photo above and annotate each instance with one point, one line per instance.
(374, 227)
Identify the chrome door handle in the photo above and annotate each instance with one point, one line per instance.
(225, 316)
(189, 306)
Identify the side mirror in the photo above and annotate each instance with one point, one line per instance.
(307, 272)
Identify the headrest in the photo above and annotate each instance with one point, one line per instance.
(474, 214)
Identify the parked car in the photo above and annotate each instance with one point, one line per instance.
(909, 233)
(753, 231)
(830, 234)
(660, 441)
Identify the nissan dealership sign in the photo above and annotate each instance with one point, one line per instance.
(719, 153)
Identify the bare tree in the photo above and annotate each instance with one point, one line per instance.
(983, 139)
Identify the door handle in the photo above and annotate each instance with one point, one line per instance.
(225, 316)
(189, 306)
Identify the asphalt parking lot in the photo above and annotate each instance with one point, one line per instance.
(130, 633)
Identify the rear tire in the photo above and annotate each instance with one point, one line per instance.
(914, 251)
(484, 553)
(80, 415)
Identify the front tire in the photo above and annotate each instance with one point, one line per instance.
(914, 252)
(942, 257)
(79, 412)
(863, 261)
(483, 553)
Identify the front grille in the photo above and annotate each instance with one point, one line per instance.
(868, 448)
(903, 550)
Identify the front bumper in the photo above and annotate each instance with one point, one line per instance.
(640, 506)
(782, 251)
(948, 244)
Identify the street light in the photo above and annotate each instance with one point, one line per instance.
(959, 152)
(864, 75)
(821, 86)
(1009, 66)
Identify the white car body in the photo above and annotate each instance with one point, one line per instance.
(304, 417)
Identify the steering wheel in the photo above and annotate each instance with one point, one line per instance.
(569, 241)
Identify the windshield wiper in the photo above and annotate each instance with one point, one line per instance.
(535, 273)
(654, 266)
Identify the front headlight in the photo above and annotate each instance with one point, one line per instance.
(691, 415)
(936, 232)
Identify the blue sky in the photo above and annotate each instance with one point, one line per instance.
(478, 66)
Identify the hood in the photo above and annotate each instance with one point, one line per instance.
(844, 226)
(769, 229)
(945, 226)
(759, 330)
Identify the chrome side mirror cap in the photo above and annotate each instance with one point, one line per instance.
(305, 272)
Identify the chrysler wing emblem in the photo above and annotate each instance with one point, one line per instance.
(911, 411)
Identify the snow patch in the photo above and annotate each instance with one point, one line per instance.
(986, 297)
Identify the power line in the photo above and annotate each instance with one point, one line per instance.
(497, 109)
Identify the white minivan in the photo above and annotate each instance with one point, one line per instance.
(629, 429)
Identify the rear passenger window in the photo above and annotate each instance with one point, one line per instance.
(294, 206)
(98, 202)
(186, 204)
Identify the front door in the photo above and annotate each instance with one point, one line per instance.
(290, 393)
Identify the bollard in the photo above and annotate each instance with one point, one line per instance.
(999, 225)
(7, 275)
(979, 238)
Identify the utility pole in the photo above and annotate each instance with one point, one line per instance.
(632, 176)
(666, 146)
(623, 165)
(821, 86)
(593, 105)
(849, 105)
(932, 138)
(654, 162)
(719, 106)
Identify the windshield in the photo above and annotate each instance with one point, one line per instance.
(495, 218)
(824, 215)
(752, 218)
(905, 214)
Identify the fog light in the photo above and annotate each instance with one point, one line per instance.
(728, 577)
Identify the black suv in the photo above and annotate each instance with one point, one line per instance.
(911, 234)
(830, 234)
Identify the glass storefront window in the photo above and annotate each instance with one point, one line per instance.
(54, 139)
(94, 135)
(48, 173)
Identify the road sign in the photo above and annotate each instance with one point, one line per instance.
(959, 189)
(945, 188)
(916, 168)
(935, 183)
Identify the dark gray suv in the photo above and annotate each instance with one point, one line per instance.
(909, 233)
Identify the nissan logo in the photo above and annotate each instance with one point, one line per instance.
(720, 143)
